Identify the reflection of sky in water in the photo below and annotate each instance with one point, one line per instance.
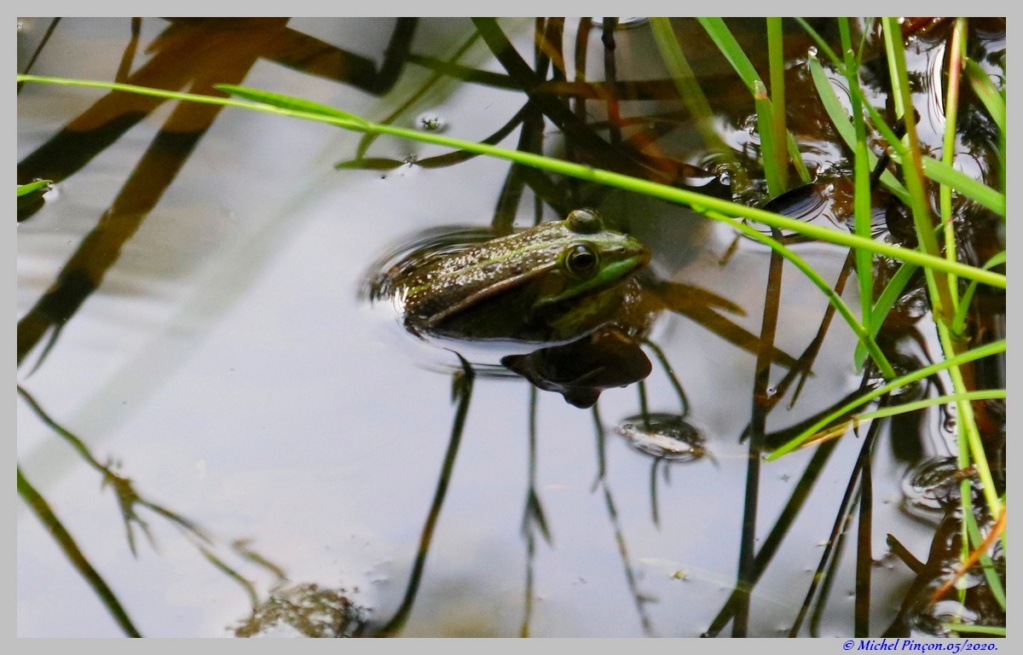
(228, 365)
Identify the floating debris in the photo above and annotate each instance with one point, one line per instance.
(664, 436)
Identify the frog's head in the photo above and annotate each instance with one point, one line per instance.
(589, 259)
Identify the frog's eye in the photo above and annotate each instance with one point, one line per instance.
(584, 221)
(581, 260)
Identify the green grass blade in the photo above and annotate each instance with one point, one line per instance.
(796, 158)
(884, 303)
(990, 96)
(912, 167)
(698, 202)
(836, 112)
(729, 47)
(418, 95)
(833, 298)
(994, 101)
(289, 102)
(976, 539)
(770, 110)
(31, 187)
(933, 169)
(862, 216)
(321, 113)
(893, 410)
(862, 192)
(685, 81)
(955, 55)
(965, 628)
(819, 40)
(959, 322)
(770, 149)
(776, 71)
(973, 189)
(968, 356)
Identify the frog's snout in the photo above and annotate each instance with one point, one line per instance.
(644, 256)
(640, 256)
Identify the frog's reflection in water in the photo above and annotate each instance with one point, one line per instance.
(580, 370)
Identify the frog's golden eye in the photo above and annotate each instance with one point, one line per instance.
(581, 260)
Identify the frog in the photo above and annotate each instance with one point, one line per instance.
(568, 290)
(548, 285)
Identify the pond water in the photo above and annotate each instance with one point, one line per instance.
(191, 334)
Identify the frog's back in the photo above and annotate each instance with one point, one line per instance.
(439, 283)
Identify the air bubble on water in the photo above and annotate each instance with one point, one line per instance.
(698, 180)
(931, 487)
(950, 423)
(430, 122)
(52, 193)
